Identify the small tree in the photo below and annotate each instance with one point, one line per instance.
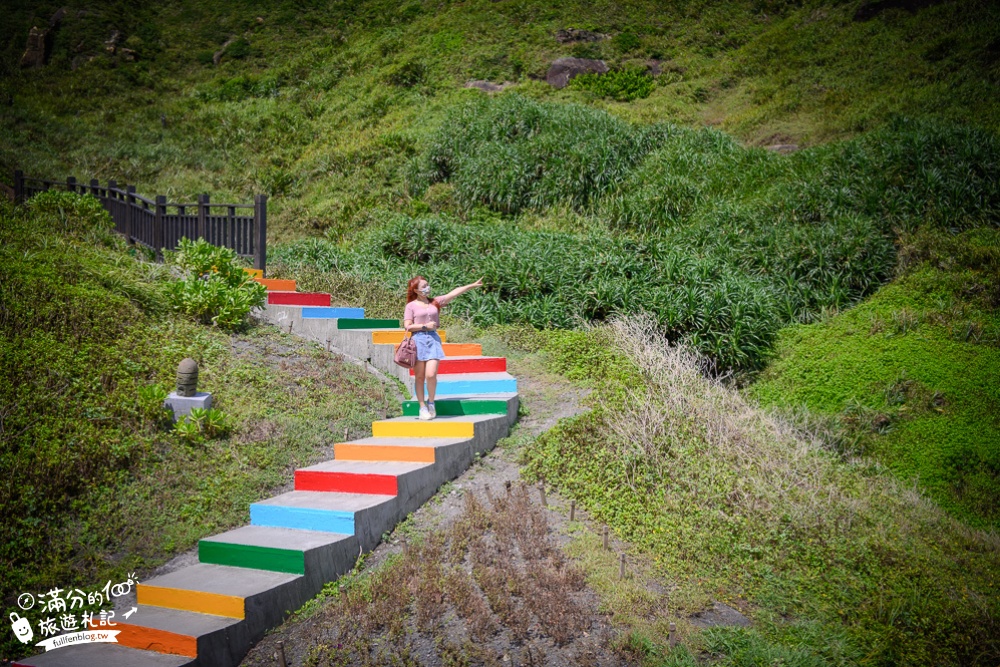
(215, 289)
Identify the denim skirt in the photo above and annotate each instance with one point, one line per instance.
(428, 345)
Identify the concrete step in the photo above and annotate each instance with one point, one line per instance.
(446, 407)
(393, 337)
(212, 639)
(299, 298)
(364, 515)
(381, 478)
(274, 285)
(409, 450)
(461, 384)
(471, 364)
(484, 430)
(332, 313)
(255, 273)
(365, 323)
(319, 555)
(104, 655)
(219, 590)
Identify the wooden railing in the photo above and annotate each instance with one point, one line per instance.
(159, 224)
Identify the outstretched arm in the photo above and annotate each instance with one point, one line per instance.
(459, 290)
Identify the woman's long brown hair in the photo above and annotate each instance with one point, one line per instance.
(411, 291)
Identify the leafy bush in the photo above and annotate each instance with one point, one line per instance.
(407, 74)
(70, 213)
(203, 425)
(216, 290)
(512, 153)
(624, 85)
(626, 41)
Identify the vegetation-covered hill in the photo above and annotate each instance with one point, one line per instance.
(320, 104)
(97, 483)
(611, 196)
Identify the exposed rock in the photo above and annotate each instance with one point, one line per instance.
(111, 45)
(217, 56)
(487, 86)
(34, 52)
(719, 614)
(784, 149)
(129, 54)
(870, 10)
(564, 69)
(570, 35)
(654, 67)
(57, 18)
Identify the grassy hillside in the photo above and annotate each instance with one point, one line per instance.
(836, 562)
(321, 104)
(97, 483)
(910, 375)
(619, 194)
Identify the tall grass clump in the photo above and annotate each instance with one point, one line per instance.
(735, 502)
(512, 153)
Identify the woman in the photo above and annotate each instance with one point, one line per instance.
(422, 319)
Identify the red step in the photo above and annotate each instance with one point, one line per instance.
(298, 298)
(345, 482)
(471, 365)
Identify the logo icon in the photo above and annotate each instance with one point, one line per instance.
(21, 628)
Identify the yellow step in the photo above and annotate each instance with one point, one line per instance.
(393, 337)
(411, 428)
(198, 601)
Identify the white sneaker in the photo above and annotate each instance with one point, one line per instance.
(424, 414)
(430, 409)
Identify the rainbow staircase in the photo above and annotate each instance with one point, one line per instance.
(248, 579)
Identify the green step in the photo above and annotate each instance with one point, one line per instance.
(351, 323)
(256, 557)
(449, 408)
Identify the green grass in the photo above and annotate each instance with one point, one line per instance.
(100, 485)
(723, 244)
(328, 102)
(911, 375)
(834, 561)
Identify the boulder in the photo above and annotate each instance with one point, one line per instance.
(564, 69)
(34, 52)
(783, 149)
(487, 86)
(571, 35)
(719, 615)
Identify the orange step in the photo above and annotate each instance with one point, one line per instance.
(346, 451)
(274, 285)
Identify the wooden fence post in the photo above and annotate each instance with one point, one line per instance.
(71, 183)
(159, 241)
(18, 186)
(113, 207)
(130, 213)
(203, 217)
(95, 187)
(260, 231)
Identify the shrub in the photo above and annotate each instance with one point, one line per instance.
(623, 85)
(215, 288)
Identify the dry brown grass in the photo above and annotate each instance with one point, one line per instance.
(492, 589)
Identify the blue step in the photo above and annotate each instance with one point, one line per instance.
(325, 511)
(331, 312)
(462, 384)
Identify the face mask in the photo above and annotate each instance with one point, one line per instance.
(425, 291)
